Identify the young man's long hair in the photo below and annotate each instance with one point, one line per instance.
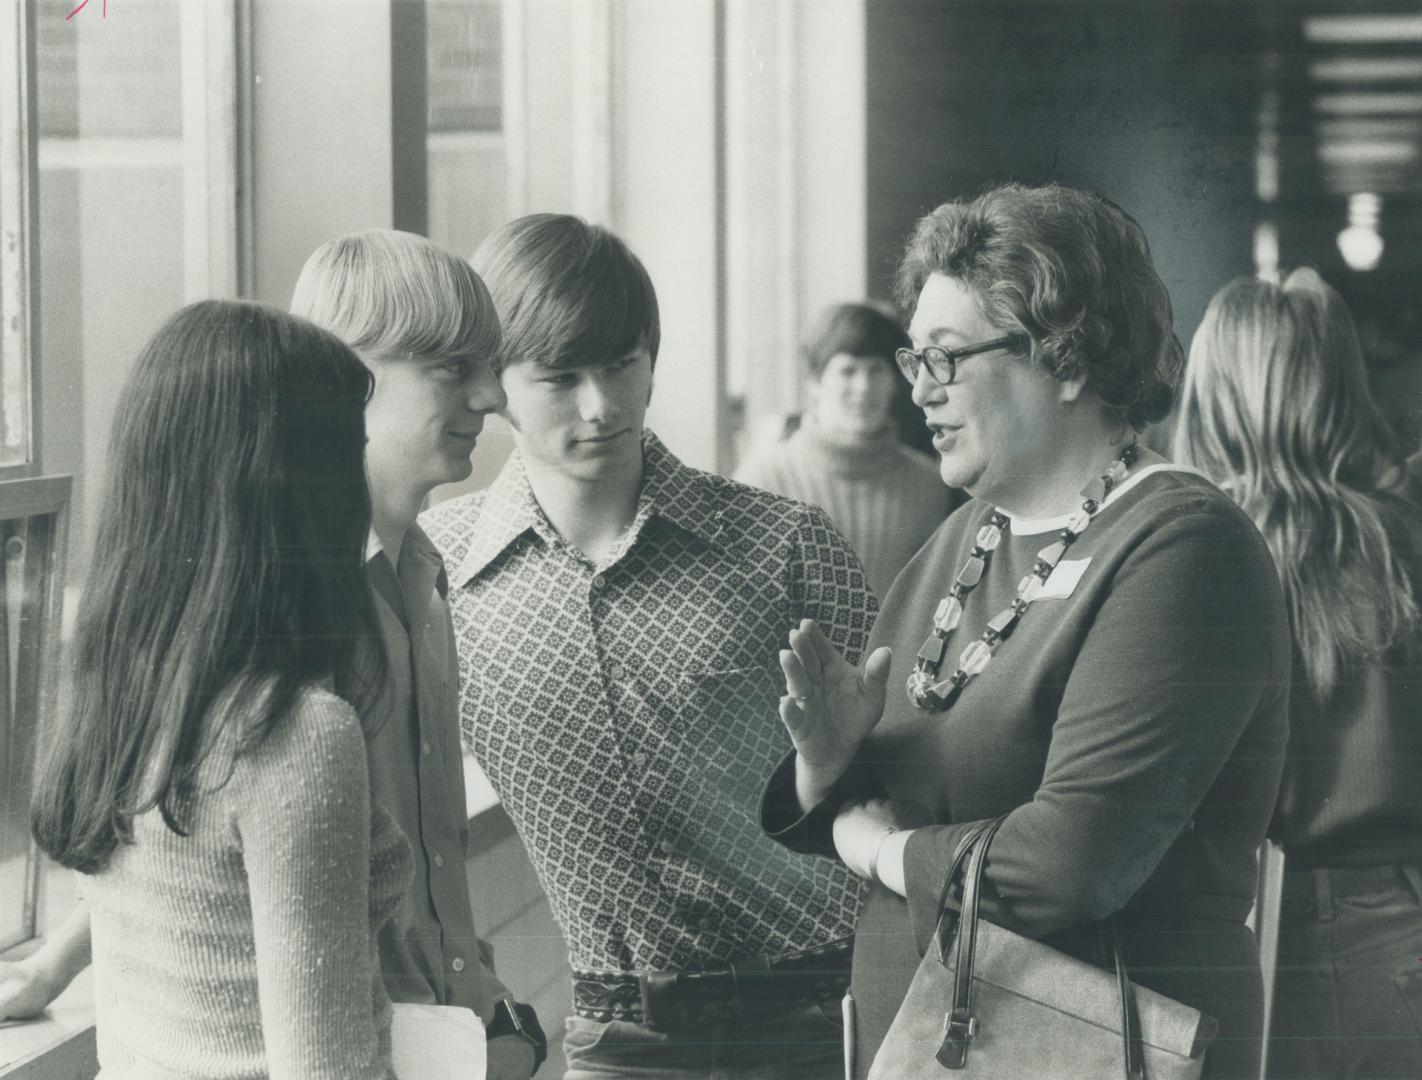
(226, 576)
(385, 292)
(1276, 408)
(568, 293)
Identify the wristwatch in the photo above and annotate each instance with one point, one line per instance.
(513, 1018)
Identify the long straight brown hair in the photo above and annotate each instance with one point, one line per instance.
(1277, 410)
(227, 567)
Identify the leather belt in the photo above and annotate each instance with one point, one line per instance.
(1322, 884)
(757, 986)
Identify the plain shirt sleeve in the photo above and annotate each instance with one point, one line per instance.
(1179, 658)
(303, 821)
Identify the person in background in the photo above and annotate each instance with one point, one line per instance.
(846, 456)
(1277, 409)
(206, 780)
(1093, 649)
(618, 615)
(422, 321)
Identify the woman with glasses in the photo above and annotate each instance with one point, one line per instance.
(1276, 406)
(205, 779)
(1093, 648)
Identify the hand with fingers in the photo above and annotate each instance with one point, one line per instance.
(829, 707)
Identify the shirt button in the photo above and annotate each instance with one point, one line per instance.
(599, 581)
(666, 846)
(457, 963)
(615, 671)
(639, 759)
(438, 859)
(425, 747)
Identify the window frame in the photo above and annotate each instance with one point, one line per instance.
(19, 210)
(31, 498)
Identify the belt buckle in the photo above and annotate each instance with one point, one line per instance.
(672, 1000)
(664, 1005)
(754, 982)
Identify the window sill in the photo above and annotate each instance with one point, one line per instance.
(58, 1045)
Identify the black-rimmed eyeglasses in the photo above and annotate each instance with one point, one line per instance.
(943, 363)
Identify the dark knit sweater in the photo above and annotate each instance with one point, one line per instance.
(1352, 790)
(1132, 732)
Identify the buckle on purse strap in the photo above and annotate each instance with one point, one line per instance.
(957, 1031)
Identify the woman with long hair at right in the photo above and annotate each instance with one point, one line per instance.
(205, 780)
(1276, 409)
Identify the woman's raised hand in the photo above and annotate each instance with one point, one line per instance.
(828, 707)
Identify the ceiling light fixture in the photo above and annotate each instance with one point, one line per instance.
(1368, 151)
(1397, 104)
(1360, 69)
(1352, 29)
(1360, 244)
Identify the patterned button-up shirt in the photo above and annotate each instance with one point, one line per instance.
(626, 711)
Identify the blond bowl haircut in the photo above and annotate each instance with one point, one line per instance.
(390, 294)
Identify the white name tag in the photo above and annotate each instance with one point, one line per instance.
(1062, 582)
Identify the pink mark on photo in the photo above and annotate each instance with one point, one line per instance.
(82, 5)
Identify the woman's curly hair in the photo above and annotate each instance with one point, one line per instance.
(1073, 272)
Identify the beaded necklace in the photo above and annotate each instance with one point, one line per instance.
(925, 690)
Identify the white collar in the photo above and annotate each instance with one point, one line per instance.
(1025, 526)
(373, 546)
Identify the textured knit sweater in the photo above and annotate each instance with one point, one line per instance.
(246, 949)
(883, 497)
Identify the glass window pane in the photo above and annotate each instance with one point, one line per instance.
(15, 405)
(112, 219)
(465, 144)
(31, 535)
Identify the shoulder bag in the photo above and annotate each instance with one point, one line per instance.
(989, 1004)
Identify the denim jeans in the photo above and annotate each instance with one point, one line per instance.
(804, 1044)
(1348, 988)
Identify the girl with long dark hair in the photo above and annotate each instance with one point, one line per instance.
(206, 780)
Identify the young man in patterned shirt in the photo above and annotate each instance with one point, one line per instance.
(618, 617)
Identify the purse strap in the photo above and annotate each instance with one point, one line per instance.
(960, 1025)
(955, 868)
(1130, 1014)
